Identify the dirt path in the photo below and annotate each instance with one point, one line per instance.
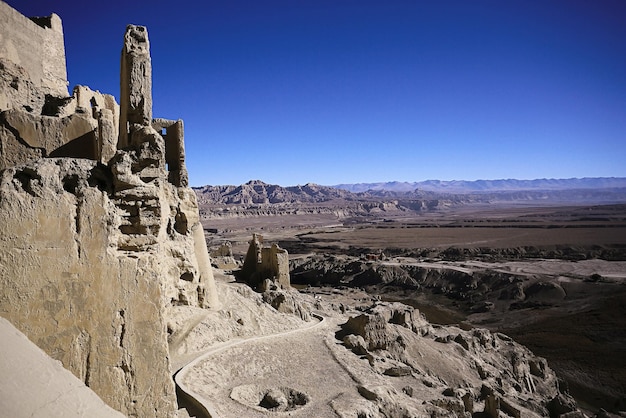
(300, 360)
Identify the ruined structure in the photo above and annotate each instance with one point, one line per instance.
(34, 48)
(222, 257)
(101, 233)
(263, 263)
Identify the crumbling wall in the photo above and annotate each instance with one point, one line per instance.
(100, 235)
(37, 117)
(135, 83)
(84, 125)
(36, 46)
(173, 133)
(66, 286)
(88, 269)
(275, 260)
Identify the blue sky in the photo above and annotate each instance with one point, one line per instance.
(330, 92)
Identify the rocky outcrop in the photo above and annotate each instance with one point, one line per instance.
(101, 234)
(258, 192)
(372, 327)
(476, 286)
(483, 373)
(256, 199)
(285, 300)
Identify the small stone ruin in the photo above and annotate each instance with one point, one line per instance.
(265, 263)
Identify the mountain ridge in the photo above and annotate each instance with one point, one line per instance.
(431, 193)
(259, 192)
(471, 186)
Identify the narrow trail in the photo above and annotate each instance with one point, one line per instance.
(201, 404)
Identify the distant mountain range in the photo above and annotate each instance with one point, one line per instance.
(431, 193)
(477, 186)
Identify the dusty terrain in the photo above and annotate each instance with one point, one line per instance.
(552, 277)
(355, 357)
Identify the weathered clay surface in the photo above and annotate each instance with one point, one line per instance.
(68, 289)
(39, 385)
(81, 256)
(84, 125)
(135, 82)
(468, 372)
(365, 358)
(36, 45)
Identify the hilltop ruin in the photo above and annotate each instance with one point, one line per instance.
(101, 233)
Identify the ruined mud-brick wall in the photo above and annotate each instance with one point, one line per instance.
(37, 117)
(265, 263)
(37, 46)
(65, 286)
(100, 236)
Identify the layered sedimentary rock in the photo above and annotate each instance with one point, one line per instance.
(100, 232)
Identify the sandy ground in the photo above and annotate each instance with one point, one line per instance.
(243, 315)
(231, 369)
(233, 380)
(231, 373)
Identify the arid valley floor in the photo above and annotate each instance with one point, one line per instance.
(550, 276)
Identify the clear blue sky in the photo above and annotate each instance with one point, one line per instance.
(329, 92)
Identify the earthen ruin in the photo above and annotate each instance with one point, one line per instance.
(263, 263)
(101, 233)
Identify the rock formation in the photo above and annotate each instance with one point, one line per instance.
(484, 373)
(101, 233)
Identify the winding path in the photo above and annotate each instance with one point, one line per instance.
(196, 399)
